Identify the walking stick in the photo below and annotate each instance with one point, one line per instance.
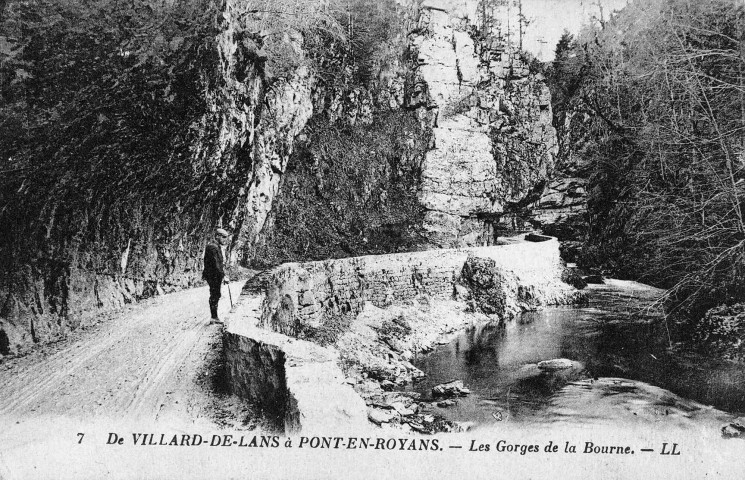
(230, 296)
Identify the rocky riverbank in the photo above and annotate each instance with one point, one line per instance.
(377, 350)
(376, 356)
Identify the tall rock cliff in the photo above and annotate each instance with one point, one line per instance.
(562, 209)
(480, 154)
(419, 132)
(141, 232)
(493, 139)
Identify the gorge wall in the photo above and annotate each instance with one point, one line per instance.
(450, 130)
(139, 229)
(493, 139)
(458, 138)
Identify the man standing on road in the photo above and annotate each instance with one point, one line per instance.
(214, 268)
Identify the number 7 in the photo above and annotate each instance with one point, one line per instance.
(81, 435)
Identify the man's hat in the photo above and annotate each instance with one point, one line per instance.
(221, 232)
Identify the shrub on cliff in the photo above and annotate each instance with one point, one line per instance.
(348, 191)
(392, 332)
(722, 332)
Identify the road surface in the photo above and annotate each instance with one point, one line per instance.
(153, 362)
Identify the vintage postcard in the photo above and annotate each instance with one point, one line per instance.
(372, 239)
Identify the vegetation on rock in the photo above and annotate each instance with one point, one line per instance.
(651, 104)
(722, 331)
(349, 191)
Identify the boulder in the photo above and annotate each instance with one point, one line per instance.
(557, 364)
(378, 416)
(571, 277)
(450, 389)
(734, 429)
(485, 282)
(387, 385)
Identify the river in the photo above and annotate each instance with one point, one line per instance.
(623, 366)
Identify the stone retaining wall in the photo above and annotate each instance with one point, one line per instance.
(298, 383)
(306, 294)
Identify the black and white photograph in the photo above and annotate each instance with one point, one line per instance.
(362, 239)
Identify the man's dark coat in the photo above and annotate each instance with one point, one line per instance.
(214, 270)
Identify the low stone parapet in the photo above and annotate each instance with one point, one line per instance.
(305, 294)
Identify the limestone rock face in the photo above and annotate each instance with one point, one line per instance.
(244, 138)
(234, 102)
(289, 106)
(491, 120)
(562, 208)
(492, 144)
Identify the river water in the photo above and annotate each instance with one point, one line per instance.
(624, 366)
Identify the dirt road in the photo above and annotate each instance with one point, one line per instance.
(154, 361)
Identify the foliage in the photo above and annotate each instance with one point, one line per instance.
(565, 75)
(340, 39)
(332, 328)
(722, 331)
(654, 101)
(373, 32)
(280, 32)
(503, 19)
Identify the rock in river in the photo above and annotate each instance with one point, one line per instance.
(379, 416)
(558, 364)
(450, 389)
(734, 429)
